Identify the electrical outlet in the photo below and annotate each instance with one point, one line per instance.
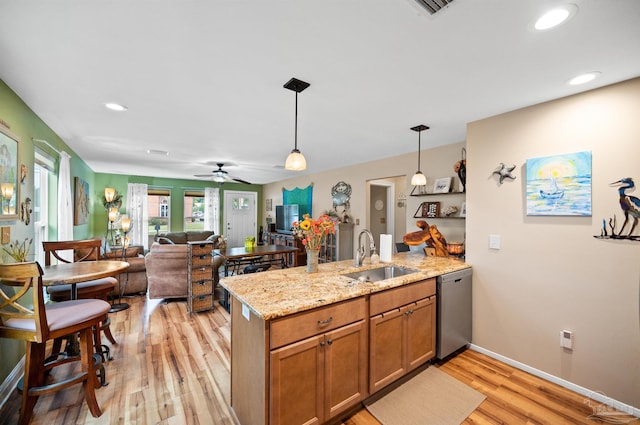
(6, 235)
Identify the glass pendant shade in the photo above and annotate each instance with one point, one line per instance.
(126, 224)
(418, 179)
(113, 214)
(295, 161)
(109, 194)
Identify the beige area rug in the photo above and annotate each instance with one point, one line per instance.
(430, 398)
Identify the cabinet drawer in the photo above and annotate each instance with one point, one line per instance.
(201, 287)
(202, 302)
(201, 260)
(397, 297)
(201, 273)
(201, 248)
(294, 328)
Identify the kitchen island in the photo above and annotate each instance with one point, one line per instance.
(307, 347)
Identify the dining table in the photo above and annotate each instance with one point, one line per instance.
(74, 273)
(243, 255)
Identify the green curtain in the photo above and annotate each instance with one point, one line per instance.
(302, 197)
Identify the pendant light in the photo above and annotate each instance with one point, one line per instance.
(418, 178)
(295, 160)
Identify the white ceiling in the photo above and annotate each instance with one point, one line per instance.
(204, 80)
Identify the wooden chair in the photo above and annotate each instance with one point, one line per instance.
(83, 250)
(42, 323)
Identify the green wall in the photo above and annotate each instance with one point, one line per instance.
(26, 125)
(177, 187)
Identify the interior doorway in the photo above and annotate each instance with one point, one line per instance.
(240, 216)
(385, 215)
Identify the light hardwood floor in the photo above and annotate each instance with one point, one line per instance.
(171, 367)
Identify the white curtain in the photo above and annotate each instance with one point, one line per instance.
(65, 204)
(212, 209)
(138, 211)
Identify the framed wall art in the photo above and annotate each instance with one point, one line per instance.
(80, 202)
(442, 185)
(559, 185)
(431, 209)
(9, 175)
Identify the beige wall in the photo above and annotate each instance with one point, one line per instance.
(435, 163)
(551, 273)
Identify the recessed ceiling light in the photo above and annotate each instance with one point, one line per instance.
(584, 78)
(115, 106)
(555, 17)
(157, 152)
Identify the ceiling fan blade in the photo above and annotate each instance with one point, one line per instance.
(241, 181)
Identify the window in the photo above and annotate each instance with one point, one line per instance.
(159, 202)
(193, 210)
(43, 165)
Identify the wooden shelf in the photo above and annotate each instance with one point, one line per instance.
(436, 194)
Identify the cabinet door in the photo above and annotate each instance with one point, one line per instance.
(297, 383)
(345, 363)
(386, 355)
(421, 336)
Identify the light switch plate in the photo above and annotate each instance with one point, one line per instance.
(6, 235)
(494, 241)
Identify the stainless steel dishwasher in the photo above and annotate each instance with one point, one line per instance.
(454, 312)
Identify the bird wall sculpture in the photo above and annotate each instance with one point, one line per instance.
(630, 204)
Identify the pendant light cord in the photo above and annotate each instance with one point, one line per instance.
(296, 126)
(419, 149)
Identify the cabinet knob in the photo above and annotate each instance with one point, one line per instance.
(330, 342)
(321, 343)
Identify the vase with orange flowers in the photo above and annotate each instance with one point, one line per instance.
(312, 233)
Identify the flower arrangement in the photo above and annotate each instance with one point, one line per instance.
(19, 250)
(311, 231)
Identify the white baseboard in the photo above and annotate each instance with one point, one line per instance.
(10, 383)
(607, 402)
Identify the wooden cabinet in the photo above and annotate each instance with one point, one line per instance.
(314, 366)
(339, 246)
(200, 276)
(402, 331)
(324, 374)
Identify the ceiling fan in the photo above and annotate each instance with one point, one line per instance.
(221, 176)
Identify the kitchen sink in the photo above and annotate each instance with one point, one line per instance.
(381, 273)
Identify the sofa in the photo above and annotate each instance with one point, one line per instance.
(136, 274)
(167, 263)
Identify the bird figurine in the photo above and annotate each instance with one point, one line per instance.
(504, 172)
(630, 204)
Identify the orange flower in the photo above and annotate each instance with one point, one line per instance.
(311, 232)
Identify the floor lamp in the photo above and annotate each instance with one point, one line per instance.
(119, 306)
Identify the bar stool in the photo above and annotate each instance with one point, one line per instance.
(43, 323)
(83, 250)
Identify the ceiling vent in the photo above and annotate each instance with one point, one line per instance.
(434, 6)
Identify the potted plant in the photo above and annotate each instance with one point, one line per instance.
(19, 250)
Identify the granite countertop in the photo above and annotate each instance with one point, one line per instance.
(279, 293)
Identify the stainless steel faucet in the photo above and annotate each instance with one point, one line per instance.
(360, 250)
